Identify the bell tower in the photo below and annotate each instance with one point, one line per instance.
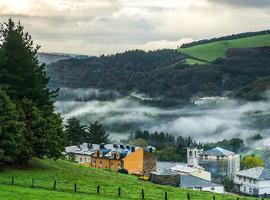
(193, 155)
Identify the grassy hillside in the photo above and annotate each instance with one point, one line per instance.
(211, 51)
(67, 173)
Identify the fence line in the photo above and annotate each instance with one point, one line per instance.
(118, 191)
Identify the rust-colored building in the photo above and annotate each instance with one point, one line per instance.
(136, 160)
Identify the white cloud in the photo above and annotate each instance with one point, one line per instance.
(107, 26)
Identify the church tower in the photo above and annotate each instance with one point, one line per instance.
(193, 155)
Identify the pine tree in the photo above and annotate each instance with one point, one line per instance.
(97, 134)
(21, 74)
(10, 130)
(75, 132)
(25, 81)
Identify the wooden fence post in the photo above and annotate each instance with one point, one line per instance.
(142, 194)
(119, 191)
(98, 189)
(75, 187)
(33, 182)
(166, 196)
(12, 179)
(214, 197)
(54, 185)
(188, 196)
(237, 198)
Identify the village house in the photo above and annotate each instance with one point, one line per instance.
(254, 181)
(134, 159)
(219, 162)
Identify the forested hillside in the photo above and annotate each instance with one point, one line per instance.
(163, 73)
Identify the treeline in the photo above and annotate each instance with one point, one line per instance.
(29, 127)
(171, 148)
(224, 38)
(77, 134)
(163, 74)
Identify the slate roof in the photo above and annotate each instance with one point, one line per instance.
(258, 173)
(89, 149)
(218, 152)
(189, 181)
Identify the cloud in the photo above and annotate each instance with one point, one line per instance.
(243, 3)
(205, 122)
(97, 27)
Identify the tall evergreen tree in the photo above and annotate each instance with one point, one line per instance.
(96, 134)
(10, 130)
(75, 132)
(25, 81)
(21, 72)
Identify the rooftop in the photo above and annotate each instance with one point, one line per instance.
(217, 151)
(189, 181)
(258, 173)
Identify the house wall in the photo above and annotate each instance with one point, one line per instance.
(134, 162)
(82, 158)
(105, 163)
(219, 189)
(149, 163)
(264, 187)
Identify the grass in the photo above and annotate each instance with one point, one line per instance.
(211, 51)
(87, 179)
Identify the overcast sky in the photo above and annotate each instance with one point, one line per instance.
(97, 27)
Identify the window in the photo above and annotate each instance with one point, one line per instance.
(250, 180)
(254, 181)
(245, 189)
(239, 178)
(245, 179)
(80, 159)
(190, 153)
(250, 190)
(100, 162)
(112, 164)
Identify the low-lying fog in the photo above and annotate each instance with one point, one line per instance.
(206, 119)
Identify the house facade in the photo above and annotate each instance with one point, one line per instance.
(219, 162)
(136, 160)
(254, 181)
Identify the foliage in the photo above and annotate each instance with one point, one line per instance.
(140, 142)
(67, 173)
(169, 154)
(234, 144)
(164, 74)
(75, 132)
(225, 38)
(10, 130)
(169, 148)
(96, 134)
(209, 52)
(30, 128)
(251, 161)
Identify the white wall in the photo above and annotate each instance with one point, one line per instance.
(264, 187)
(219, 189)
(82, 158)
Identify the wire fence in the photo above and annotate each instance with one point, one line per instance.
(99, 190)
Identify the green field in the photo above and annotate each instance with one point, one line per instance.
(211, 51)
(66, 174)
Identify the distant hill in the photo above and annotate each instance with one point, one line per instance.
(49, 58)
(206, 51)
(164, 73)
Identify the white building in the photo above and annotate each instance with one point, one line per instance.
(220, 162)
(254, 181)
(81, 153)
(194, 171)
